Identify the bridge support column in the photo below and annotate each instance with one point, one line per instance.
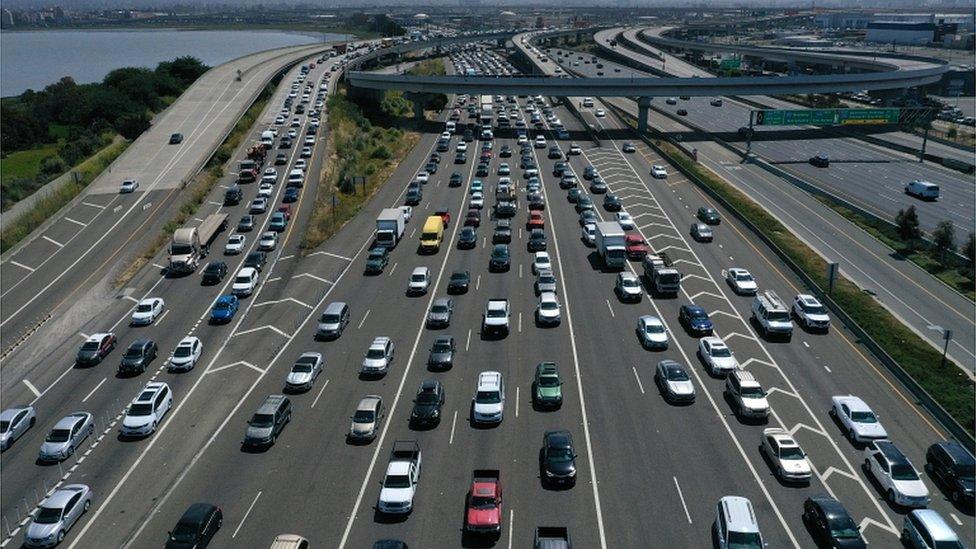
(643, 106)
(418, 107)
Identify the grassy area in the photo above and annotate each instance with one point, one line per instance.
(957, 275)
(355, 147)
(949, 386)
(23, 165)
(199, 188)
(429, 67)
(50, 205)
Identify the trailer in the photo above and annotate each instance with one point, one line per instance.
(190, 244)
(390, 225)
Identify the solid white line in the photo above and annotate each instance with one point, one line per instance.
(520, 270)
(273, 279)
(21, 265)
(32, 388)
(99, 206)
(324, 385)
(639, 384)
(282, 258)
(265, 327)
(160, 321)
(95, 389)
(331, 255)
(238, 529)
(75, 221)
(955, 519)
(511, 526)
(611, 309)
(467, 343)
(680, 495)
(310, 275)
(363, 320)
(453, 424)
(52, 241)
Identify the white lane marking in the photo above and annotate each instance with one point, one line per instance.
(517, 400)
(520, 323)
(272, 279)
(453, 424)
(244, 518)
(21, 265)
(324, 385)
(467, 344)
(393, 268)
(829, 371)
(330, 254)
(99, 206)
(520, 270)
(680, 495)
(511, 526)
(75, 221)
(639, 384)
(314, 277)
(93, 390)
(282, 258)
(32, 388)
(158, 266)
(805, 344)
(160, 321)
(361, 322)
(955, 519)
(611, 309)
(118, 208)
(52, 241)
(477, 284)
(412, 232)
(264, 327)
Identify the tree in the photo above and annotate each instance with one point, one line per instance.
(907, 222)
(944, 239)
(131, 125)
(186, 69)
(969, 249)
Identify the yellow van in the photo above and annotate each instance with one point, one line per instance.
(432, 235)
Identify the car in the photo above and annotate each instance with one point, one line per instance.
(290, 195)
(186, 354)
(652, 333)
(128, 186)
(300, 166)
(459, 282)
(502, 233)
(626, 221)
(717, 356)
(495, 319)
(66, 436)
(422, 177)
(558, 458)
(600, 113)
(304, 372)
(830, 523)
(268, 241)
(701, 232)
(951, 465)
(245, 282)
(635, 246)
(176, 139)
(430, 168)
(246, 223)
(540, 142)
(278, 222)
(255, 260)
(477, 201)
(820, 160)
(419, 281)
(147, 410)
(440, 313)
(197, 527)
(57, 513)
(467, 239)
(709, 215)
(785, 456)
(138, 356)
(695, 320)
(224, 309)
(671, 101)
(574, 195)
(746, 396)
(504, 169)
(407, 213)
(427, 404)
(547, 386)
(741, 281)
(505, 151)
(535, 221)
(500, 258)
(377, 259)
(378, 357)
(810, 313)
(488, 404)
(266, 190)
(541, 262)
(628, 147)
(536, 241)
(547, 311)
(659, 172)
(554, 153)
(235, 244)
(674, 382)
(14, 422)
(147, 311)
(682, 112)
(856, 418)
(95, 348)
(896, 476)
(285, 142)
(589, 172)
(477, 187)
(441, 356)
(281, 159)
(455, 180)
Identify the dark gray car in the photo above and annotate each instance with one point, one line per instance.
(441, 353)
(440, 313)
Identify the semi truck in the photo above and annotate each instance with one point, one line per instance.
(402, 477)
(190, 244)
(611, 245)
(390, 225)
(664, 279)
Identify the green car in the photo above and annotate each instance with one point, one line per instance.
(547, 388)
(377, 260)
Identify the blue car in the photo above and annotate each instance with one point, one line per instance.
(224, 309)
(291, 195)
(278, 222)
(695, 320)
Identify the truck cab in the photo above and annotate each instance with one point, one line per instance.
(483, 512)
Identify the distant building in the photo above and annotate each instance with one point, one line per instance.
(897, 32)
(6, 19)
(843, 20)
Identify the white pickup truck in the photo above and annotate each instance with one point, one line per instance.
(402, 476)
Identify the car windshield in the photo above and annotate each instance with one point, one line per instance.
(791, 452)
(376, 255)
(143, 308)
(496, 313)
(59, 435)
(697, 314)
(863, 417)
(438, 309)
(183, 351)
(242, 280)
(330, 319)
(90, 346)
(677, 374)
(488, 397)
(548, 381)
(363, 416)
(630, 283)
(815, 309)
(779, 316)
(743, 277)
(301, 368)
(222, 305)
(547, 279)
(141, 409)
(212, 269)
(744, 540)
(441, 347)
(844, 528)
(184, 533)
(903, 471)
(134, 352)
(654, 328)
(482, 502)
(560, 455)
(721, 352)
(417, 278)
(427, 397)
(549, 305)
(752, 392)
(262, 420)
(375, 353)
(47, 515)
(397, 481)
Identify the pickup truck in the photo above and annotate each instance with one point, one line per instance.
(402, 476)
(483, 511)
(495, 318)
(552, 537)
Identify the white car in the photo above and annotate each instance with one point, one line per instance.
(266, 190)
(626, 221)
(304, 371)
(129, 186)
(407, 213)
(187, 354)
(235, 244)
(541, 262)
(279, 120)
(652, 333)
(422, 177)
(301, 164)
(785, 456)
(489, 399)
(268, 241)
(674, 382)
(659, 172)
(547, 311)
(258, 206)
(292, 133)
(858, 421)
(600, 113)
(147, 410)
(477, 200)
(895, 474)
(588, 234)
(810, 312)
(378, 357)
(244, 282)
(270, 175)
(741, 281)
(419, 281)
(540, 142)
(461, 147)
(306, 152)
(717, 356)
(628, 287)
(522, 139)
(310, 140)
(147, 311)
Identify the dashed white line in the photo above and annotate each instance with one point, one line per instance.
(955, 519)
(52, 241)
(32, 388)
(453, 424)
(99, 206)
(611, 308)
(93, 390)
(21, 265)
(511, 526)
(244, 518)
(517, 399)
(324, 385)
(393, 268)
(467, 344)
(520, 270)
(477, 284)
(639, 384)
(364, 319)
(75, 221)
(680, 495)
(160, 321)
(520, 323)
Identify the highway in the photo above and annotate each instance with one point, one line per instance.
(918, 299)
(65, 269)
(644, 466)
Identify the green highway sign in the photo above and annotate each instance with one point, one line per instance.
(827, 117)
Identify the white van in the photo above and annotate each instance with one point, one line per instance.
(296, 178)
(922, 189)
(245, 282)
(451, 126)
(267, 138)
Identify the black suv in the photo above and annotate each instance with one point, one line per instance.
(214, 272)
(455, 180)
(460, 280)
(138, 356)
(233, 196)
(427, 406)
(952, 466)
(196, 527)
(537, 241)
(468, 238)
(500, 258)
(256, 260)
(441, 353)
(503, 232)
(709, 215)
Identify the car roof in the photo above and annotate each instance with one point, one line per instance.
(67, 422)
(650, 319)
(853, 402)
(956, 451)
(429, 385)
(98, 337)
(188, 340)
(139, 343)
(559, 439)
(891, 452)
(832, 509)
(368, 402)
(936, 526)
(379, 341)
(247, 271)
(739, 513)
(226, 299)
(60, 498)
(197, 513)
(420, 270)
(9, 413)
(489, 380)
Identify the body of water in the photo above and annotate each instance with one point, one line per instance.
(34, 59)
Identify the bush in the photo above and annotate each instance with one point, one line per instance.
(382, 152)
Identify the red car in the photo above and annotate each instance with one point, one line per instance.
(535, 221)
(285, 209)
(636, 247)
(473, 219)
(445, 216)
(483, 513)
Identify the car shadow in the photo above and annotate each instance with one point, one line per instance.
(388, 518)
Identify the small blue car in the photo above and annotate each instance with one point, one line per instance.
(224, 309)
(695, 320)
